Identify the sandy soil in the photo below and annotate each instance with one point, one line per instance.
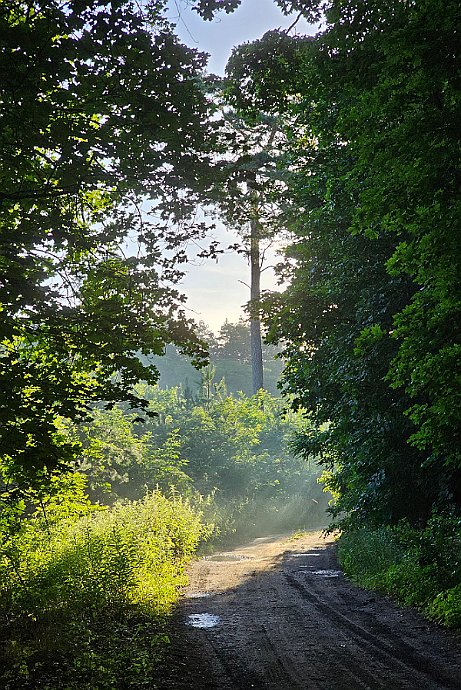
(283, 616)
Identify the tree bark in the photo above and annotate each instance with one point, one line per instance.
(255, 322)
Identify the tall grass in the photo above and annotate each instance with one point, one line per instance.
(82, 603)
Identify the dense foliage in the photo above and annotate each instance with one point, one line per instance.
(102, 117)
(371, 318)
(231, 454)
(418, 567)
(74, 590)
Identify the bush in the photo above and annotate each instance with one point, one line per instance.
(420, 568)
(88, 600)
(131, 554)
(446, 607)
(366, 554)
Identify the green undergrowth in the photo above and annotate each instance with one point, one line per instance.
(84, 604)
(419, 568)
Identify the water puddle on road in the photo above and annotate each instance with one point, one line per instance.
(202, 620)
(327, 573)
(226, 557)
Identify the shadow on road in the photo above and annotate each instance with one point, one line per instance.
(279, 614)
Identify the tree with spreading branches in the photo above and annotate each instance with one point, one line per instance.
(104, 135)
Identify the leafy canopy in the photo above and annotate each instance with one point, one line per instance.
(103, 117)
(371, 319)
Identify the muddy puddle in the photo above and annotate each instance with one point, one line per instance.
(227, 557)
(202, 620)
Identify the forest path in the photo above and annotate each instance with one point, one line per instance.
(282, 616)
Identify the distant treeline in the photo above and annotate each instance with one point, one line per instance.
(230, 362)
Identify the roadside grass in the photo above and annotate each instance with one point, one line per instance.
(85, 605)
(419, 568)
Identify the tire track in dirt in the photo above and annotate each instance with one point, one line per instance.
(288, 619)
(389, 648)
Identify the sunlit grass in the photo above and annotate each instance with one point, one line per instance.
(86, 604)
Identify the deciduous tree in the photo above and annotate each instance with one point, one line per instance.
(102, 112)
(372, 316)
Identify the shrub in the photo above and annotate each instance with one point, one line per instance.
(420, 568)
(133, 553)
(83, 604)
(366, 554)
(446, 607)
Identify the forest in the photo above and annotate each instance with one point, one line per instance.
(133, 437)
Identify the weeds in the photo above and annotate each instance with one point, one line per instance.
(420, 568)
(85, 604)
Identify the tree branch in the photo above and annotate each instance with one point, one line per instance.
(287, 31)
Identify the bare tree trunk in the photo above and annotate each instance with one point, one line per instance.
(255, 323)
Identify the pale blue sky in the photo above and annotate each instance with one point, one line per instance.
(250, 21)
(213, 289)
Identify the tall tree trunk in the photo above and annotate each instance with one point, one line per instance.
(255, 294)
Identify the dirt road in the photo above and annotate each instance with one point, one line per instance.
(279, 614)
